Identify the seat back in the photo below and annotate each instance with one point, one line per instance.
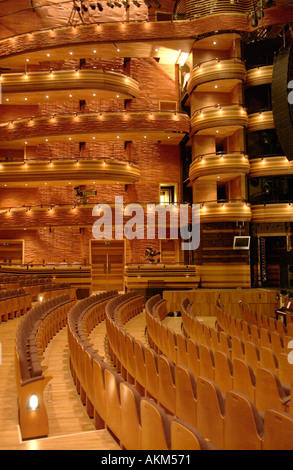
(130, 417)
(278, 430)
(155, 426)
(210, 411)
(185, 395)
(243, 423)
(243, 378)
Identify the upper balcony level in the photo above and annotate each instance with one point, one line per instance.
(259, 76)
(165, 127)
(214, 70)
(219, 120)
(34, 87)
(66, 171)
(122, 37)
(219, 164)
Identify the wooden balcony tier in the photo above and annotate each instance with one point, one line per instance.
(213, 164)
(34, 87)
(166, 127)
(34, 173)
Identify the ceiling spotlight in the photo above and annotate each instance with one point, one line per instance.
(126, 4)
(93, 6)
(76, 7)
(147, 4)
(136, 3)
(99, 5)
(117, 4)
(158, 4)
(110, 5)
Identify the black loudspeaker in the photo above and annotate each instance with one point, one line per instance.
(282, 109)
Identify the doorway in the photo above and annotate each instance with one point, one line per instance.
(107, 259)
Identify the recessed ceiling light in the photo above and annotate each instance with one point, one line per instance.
(70, 52)
(215, 42)
(27, 60)
(216, 86)
(48, 55)
(25, 99)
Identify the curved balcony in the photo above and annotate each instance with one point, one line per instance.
(225, 211)
(166, 127)
(270, 166)
(34, 87)
(260, 121)
(33, 173)
(218, 164)
(31, 217)
(259, 76)
(136, 39)
(219, 119)
(267, 213)
(216, 69)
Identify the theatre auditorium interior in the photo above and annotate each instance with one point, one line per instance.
(146, 225)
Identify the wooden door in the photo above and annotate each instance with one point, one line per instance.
(107, 261)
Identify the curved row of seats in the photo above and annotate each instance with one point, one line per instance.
(34, 332)
(115, 404)
(14, 303)
(259, 346)
(51, 290)
(230, 405)
(236, 347)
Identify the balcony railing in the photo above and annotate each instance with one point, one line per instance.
(219, 163)
(219, 115)
(216, 69)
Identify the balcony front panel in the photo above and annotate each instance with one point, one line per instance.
(225, 212)
(83, 215)
(34, 87)
(207, 165)
(270, 166)
(216, 69)
(166, 127)
(60, 172)
(260, 121)
(267, 213)
(233, 116)
(259, 76)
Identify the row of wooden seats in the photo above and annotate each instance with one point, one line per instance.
(229, 371)
(257, 318)
(118, 406)
(51, 290)
(14, 303)
(175, 388)
(236, 326)
(273, 356)
(263, 390)
(260, 347)
(33, 332)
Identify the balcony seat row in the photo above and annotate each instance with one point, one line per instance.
(14, 303)
(34, 332)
